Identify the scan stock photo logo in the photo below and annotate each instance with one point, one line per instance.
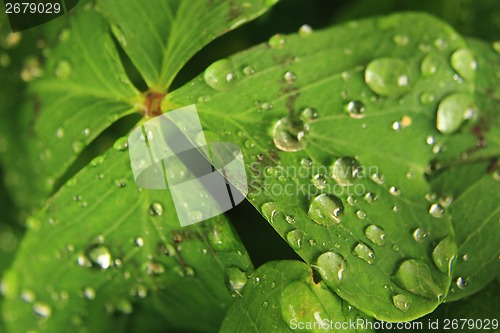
(24, 14)
(171, 151)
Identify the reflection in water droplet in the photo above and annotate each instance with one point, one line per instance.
(436, 210)
(220, 75)
(320, 181)
(364, 252)
(370, 197)
(289, 77)
(444, 255)
(356, 109)
(419, 235)
(375, 234)
(461, 283)
(394, 191)
(453, 110)
(100, 256)
(388, 76)
(331, 267)
(462, 60)
(326, 209)
(345, 170)
(139, 241)
(288, 135)
(401, 302)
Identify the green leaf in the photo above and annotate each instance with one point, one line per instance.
(281, 296)
(161, 36)
(104, 254)
(301, 109)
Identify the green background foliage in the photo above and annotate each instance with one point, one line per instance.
(401, 95)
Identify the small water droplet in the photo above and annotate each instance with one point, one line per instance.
(89, 293)
(277, 41)
(419, 235)
(28, 296)
(270, 210)
(289, 77)
(295, 238)
(375, 234)
(121, 144)
(78, 146)
(364, 252)
(100, 256)
(305, 30)
(320, 181)
(155, 209)
(453, 110)
(429, 65)
(461, 283)
(345, 170)
(220, 75)
(427, 98)
(351, 201)
(43, 310)
(236, 280)
(60, 133)
(248, 70)
(370, 197)
(436, 210)
(361, 214)
(401, 302)
(388, 76)
(441, 44)
(63, 69)
(394, 191)
(288, 135)
(309, 114)
(306, 162)
(466, 257)
(290, 219)
(444, 255)
(462, 60)
(378, 178)
(401, 40)
(326, 209)
(139, 241)
(331, 267)
(356, 109)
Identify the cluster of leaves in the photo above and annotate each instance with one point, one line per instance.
(404, 103)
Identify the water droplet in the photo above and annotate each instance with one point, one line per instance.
(305, 30)
(496, 46)
(309, 114)
(277, 41)
(326, 209)
(248, 70)
(461, 283)
(289, 135)
(395, 209)
(436, 210)
(441, 44)
(375, 234)
(419, 235)
(387, 76)
(154, 268)
(235, 280)
(78, 146)
(462, 60)
(60, 133)
(356, 109)
(270, 210)
(290, 219)
(306, 163)
(28, 296)
(394, 191)
(63, 69)
(100, 256)
(89, 293)
(370, 197)
(364, 252)
(427, 98)
(444, 255)
(466, 257)
(453, 110)
(139, 241)
(351, 200)
(155, 209)
(43, 310)
(401, 40)
(294, 238)
(331, 267)
(345, 170)
(378, 178)
(32, 68)
(220, 75)
(401, 302)
(289, 77)
(320, 181)
(361, 214)
(121, 144)
(417, 277)
(429, 65)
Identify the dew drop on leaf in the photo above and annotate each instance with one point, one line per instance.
(464, 63)
(270, 210)
(100, 256)
(461, 283)
(429, 65)
(309, 114)
(331, 267)
(417, 277)
(363, 251)
(236, 280)
(89, 293)
(220, 75)
(401, 302)
(295, 238)
(41, 309)
(288, 135)
(345, 170)
(155, 209)
(419, 235)
(63, 69)
(436, 210)
(444, 254)
(355, 109)
(289, 77)
(277, 41)
(320, 181)
(305, 30)
(360, 214)
(388, 76)
(326, 209)
(375, 234)
(121, 144)
(453, 110)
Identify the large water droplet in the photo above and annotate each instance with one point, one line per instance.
(453, 110)
(326, 209)
(345, 170)
(320, 181)
(464, 63)
(364, 252)
(444, 254)
(236, 280)
(356, 109)
(401, 302)
(288, 135)
(270, 210)
(100, 256)
(417, 277)
(331, 267)
(305, 30)
(375, 234)
(220, 75)
(295, 238)
(388, 76)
